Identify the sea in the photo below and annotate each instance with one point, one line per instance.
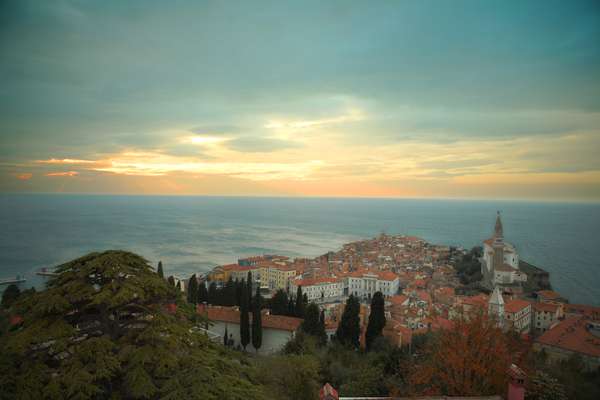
(192, 234)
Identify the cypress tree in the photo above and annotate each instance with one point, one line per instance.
(171, 280)
(322, 334)
(212, 293)
(376, 319)
(230, 293)
(299, 308)
(244, 318)
(257, 320)
(202, 293)
(238, 293)
(249, 284)
(348, 331)
(225, 337)
(160, 270)
(291, 311)
(192, 290)
(178, 286)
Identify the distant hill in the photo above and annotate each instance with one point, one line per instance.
(109, 327)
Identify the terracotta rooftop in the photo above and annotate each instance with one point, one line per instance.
(515, 305)
(572, 334)
(387, 276)
(236, 267)
(398, 299)
(539, 307)
(548, 294)
(232, 315)
(584, 310)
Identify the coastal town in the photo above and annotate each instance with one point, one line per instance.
(422, 289)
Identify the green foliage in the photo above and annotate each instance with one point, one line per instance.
(101, 330)
(544, 387)
(160, 271)
(468, 268)
(10, 295)
(300, 304)
(192, 290)
(257, 320)
(570, 375)
(279, 303)
(348, 331)
(312, 324)
(202, 293)
(376, 319)
(244, 318)
(293, 377)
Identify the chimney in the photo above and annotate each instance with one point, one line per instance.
(516, 383)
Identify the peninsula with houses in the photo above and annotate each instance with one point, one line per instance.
(383, 318)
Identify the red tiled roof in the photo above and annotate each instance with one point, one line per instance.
(515, 305)
(398, 299)
(571, 334)
(549, 307)
(236, 267)
(583, 309)
(232, 315)
(548, 294)
(480, 300)
(387, 276)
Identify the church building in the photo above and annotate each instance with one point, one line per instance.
(500, 261)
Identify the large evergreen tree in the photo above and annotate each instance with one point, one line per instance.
(376, 319)
(160, 271)
(279, 303)
(257, 320)
(348, 331)
(244, 318)
(171, 280)
(105, 328)
(192, 290)
(299, 307)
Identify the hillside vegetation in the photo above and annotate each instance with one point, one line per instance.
(109, 327)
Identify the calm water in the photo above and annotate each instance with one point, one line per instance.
(191, 234)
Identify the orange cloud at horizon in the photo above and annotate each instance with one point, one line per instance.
(66, 173)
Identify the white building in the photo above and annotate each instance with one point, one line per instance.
(319, 290)
(364, 284)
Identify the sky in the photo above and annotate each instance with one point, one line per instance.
(442, 99)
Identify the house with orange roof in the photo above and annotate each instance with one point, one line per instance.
(577, 335)
(583, 310)
(545, 316)
(277, 329)
(517, 315)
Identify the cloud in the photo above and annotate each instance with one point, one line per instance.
(64, 161)
(65, 173)
(24, 176)
(261, 144)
